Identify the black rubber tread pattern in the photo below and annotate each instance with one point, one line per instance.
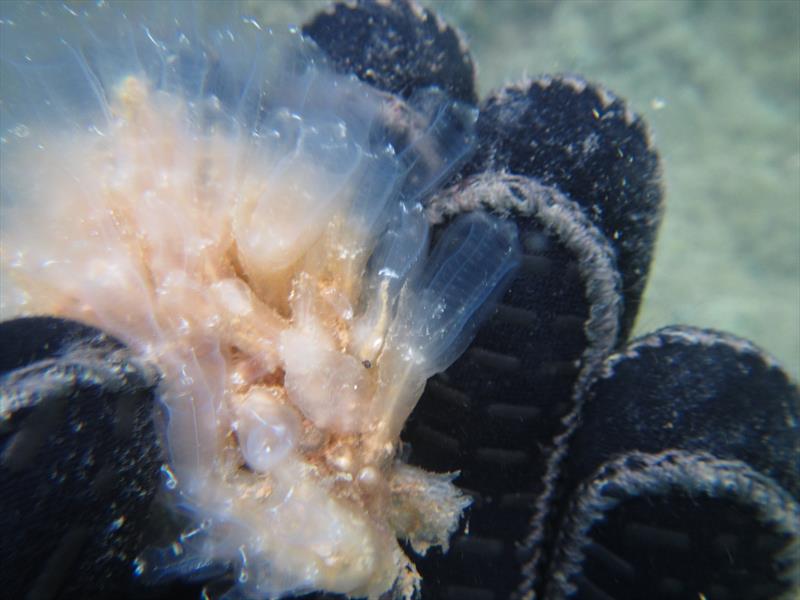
(684, 476)
(492, 416)
(681, 546)
(580, 138)
(79, 460)
(500, 413)
(398, 47)
(677, 525)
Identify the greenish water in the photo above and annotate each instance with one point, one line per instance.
(719, 83)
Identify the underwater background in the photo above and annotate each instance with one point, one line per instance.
(719, 84)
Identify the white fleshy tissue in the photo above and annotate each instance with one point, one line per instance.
(234, 210)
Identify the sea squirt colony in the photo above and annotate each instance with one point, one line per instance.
(242, 216)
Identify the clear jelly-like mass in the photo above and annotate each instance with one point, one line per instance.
(236, 212)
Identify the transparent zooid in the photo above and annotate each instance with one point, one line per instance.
(221, 200)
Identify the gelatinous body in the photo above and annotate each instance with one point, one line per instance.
(238, 214)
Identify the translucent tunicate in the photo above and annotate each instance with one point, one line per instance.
(469, 267)
(398, 253)
(251, 222)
